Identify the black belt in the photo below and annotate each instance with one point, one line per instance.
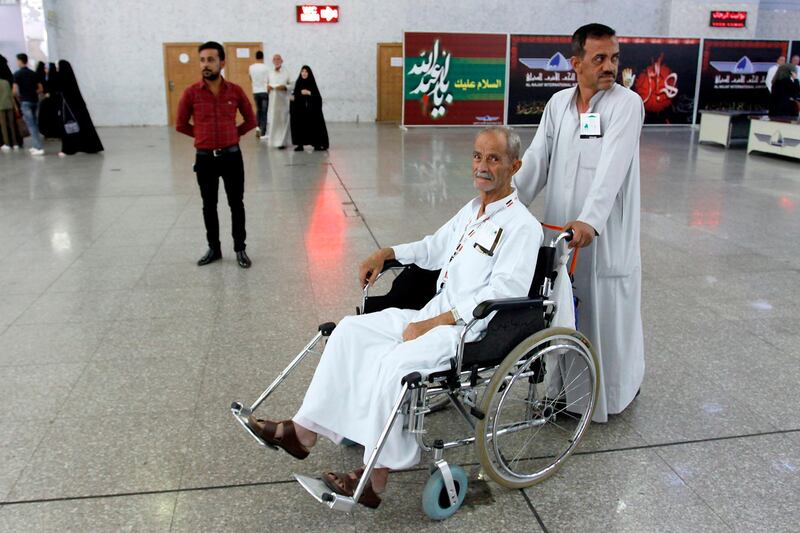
(219, 151)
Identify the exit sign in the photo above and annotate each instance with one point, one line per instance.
(316, 14)
(728, 19)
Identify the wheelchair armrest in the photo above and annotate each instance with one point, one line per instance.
(483, 309)
(391, 264)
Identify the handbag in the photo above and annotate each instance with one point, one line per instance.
(71, 126)
(21, 125)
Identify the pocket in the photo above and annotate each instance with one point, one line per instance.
(614, 257)
(590, 152)
(229, 110)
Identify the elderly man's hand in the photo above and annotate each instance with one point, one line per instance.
(418, 329)
(583, 233)
(371, 267)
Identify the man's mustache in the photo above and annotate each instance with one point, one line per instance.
(483, 174)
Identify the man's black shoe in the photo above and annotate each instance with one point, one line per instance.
(210, 257)
(243, 260)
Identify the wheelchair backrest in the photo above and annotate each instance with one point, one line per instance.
(545, 266)
(412, 289)
(415, 286)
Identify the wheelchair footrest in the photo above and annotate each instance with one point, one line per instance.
(241, 413)
(321, 493)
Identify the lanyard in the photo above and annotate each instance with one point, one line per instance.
(472, 232)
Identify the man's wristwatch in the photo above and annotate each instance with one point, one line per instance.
(456, 316)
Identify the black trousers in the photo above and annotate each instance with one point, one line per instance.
(262, 106)
(230, 168)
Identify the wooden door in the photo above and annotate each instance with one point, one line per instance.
(238, 58)
(390, 82)
(181, 69)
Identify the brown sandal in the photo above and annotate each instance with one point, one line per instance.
(289, 442)
(344, 484)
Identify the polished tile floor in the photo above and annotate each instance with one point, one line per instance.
(119, 357)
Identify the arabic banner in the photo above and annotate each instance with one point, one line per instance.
(538, 68)
(454, 79)
(663, 72)
(734, 72)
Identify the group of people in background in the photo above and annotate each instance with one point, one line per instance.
(784, 87)
(44, 103)
(287, 112)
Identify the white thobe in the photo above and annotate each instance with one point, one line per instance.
(278, 113)
(596, 181)
(770, 75)
(358, 378)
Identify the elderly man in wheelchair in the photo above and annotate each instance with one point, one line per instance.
(465, 322)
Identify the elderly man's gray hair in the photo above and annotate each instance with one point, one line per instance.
(513, 142)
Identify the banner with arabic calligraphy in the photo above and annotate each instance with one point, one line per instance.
(734, 72)
(663, 71)
(454, 79)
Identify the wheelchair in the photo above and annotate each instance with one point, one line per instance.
(526, 391)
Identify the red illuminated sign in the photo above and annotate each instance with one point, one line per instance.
(728, 19)
(316, 14)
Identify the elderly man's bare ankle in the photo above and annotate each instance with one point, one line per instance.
(306, 437)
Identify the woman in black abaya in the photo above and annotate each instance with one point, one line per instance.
(306, 119)
(50, 124)
(79, 133)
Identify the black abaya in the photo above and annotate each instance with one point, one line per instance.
(50, 124)
(74, 109)
(306, 118)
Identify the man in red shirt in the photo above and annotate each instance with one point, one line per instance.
(212, 104)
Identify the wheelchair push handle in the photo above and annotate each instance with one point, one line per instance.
(565, 236)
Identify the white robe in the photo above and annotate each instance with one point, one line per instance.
(278, 112)
(358, 377)
(597, 181)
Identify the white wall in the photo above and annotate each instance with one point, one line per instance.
(12, 39)
(779, 23)
(116, 47)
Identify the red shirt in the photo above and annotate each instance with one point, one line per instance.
(214, 117)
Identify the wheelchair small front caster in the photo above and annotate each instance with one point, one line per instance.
(348, 443)
(435, 500)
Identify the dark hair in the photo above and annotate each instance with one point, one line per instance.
(40, 73)
(5, 71)
(213, 45)
(259, 55)
(593, 30)
(23, 58)
(784, 72)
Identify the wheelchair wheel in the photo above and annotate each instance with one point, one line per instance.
(532, 425)
(435, 502)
